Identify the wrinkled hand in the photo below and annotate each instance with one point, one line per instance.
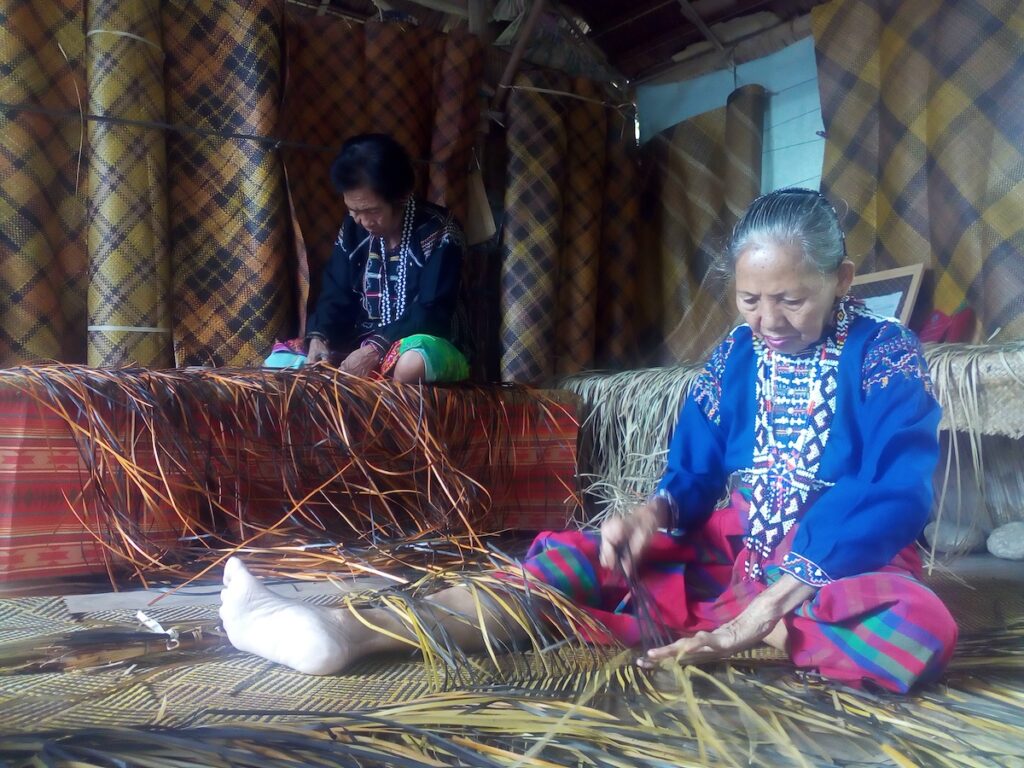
(746, 631)
(318, 351)
(625, 539)
(361, 362)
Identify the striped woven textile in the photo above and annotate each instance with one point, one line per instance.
(456, 121)
(884, 627)
(129, 255)
(512, 449)
(584, 194)
(324, 104)
(621, 318)
(227, 199)
(708, 169)
(48, 528)
(924, 145)
(43, 265)
(532, 241)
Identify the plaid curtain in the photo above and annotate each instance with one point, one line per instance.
(700, 176)
(227, 199)
(209, 216)
(129, 250)
(43, 264)
(569, 255)
(921, 102)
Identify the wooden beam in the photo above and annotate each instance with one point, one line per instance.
(480, 16)
(525, 33)
(698, 22)
(451, 7)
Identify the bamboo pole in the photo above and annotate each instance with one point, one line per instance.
(517, 54)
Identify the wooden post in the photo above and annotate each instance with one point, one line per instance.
(694, 17)
(479, 18)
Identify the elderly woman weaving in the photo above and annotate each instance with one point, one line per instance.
(823, 417)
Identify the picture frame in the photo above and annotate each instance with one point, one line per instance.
(891, 292)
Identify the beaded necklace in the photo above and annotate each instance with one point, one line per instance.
(404, 254)
(784, 478)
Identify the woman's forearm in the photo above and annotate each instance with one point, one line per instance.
(784, 595)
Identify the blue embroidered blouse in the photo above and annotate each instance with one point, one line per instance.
(876, 469)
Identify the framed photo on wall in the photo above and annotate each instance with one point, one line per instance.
(890, 293)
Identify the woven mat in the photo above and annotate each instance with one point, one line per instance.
(219, 684)
(215, 684)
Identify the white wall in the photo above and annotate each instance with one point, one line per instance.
(793, 149)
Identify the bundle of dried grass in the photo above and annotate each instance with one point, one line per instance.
(285, 465)
(627, 419)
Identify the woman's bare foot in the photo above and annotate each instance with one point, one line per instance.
(307, 638)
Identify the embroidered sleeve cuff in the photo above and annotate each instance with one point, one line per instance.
(673, 510)
(377, 343)
(805, 570)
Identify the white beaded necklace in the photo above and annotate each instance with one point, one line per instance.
(404, 253)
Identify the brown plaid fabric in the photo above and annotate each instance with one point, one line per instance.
(532, 236)
(227, 201)
(619, 316)
(43, 268)
(685, 179)
(921, 103)
(129, 257)
(324, 105)
(400, 65)
(586, 127)
(706, 170)
(456, 121)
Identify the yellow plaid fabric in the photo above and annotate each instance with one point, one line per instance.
(533, 230)
(129, 256)
(920, 101)
(570, 255)
(621, 318)
(586, 127)
(706, 171)
(43, 268)
(228, 212)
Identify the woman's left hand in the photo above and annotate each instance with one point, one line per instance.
(361, 362)
(746, 631)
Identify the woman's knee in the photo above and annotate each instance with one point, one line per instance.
(851, 634)
(410, 368)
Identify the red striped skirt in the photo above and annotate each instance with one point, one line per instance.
(885, 627)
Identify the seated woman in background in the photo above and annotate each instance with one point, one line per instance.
(389, 291)
(821, 418)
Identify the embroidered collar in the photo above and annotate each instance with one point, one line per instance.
(386, 303)
(784, 477)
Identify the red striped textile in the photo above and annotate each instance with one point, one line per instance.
(519, 445)
(47, 528)
(883, 627)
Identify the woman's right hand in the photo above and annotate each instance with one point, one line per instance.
(318, 350)
(625, 539)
